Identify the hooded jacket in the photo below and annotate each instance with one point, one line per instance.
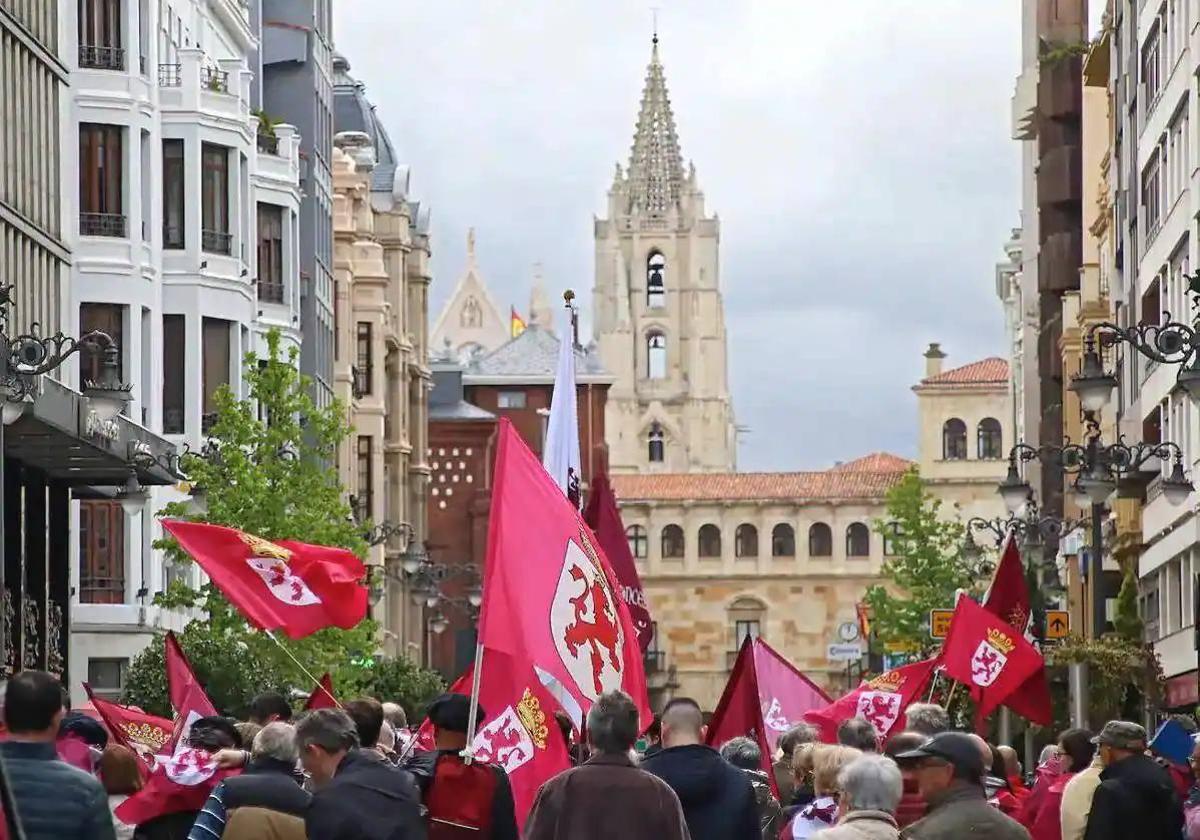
(718, 802)
(1136, 798)
(366, 800)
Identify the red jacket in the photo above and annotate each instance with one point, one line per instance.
(912, 807)
(1044, 823)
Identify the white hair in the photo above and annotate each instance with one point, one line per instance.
(929, 719)
(393, 713)
(276, 740)
(871, 783)
(387, 737)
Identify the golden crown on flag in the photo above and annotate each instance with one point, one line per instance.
(1000, 640)
(265, 548)
(890, 681)
(529, 710)
(148, 734)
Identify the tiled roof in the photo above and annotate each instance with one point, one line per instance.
(533, 354)
(875, 462)
(832, 484)
(990, 371)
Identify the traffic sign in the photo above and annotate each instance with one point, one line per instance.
(1058, 624)
(901, 646)
(844, 653)
(939, 623)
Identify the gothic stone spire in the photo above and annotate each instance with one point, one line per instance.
(655, 163)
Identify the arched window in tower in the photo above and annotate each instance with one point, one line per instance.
(471, 314)
(709, 541)
(858, 540)
(820, 540)
(656, 356)
(656, 289)
(672, 542)
(783, 541)
(989, 439)
(657, 449)
(954, 440)
(745, 541)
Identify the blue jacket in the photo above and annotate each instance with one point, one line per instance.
(55, 801)
(718, 801)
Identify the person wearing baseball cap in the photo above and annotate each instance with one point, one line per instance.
(1136, 797)
(949, 769)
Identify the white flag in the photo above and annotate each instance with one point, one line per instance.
(561, 454)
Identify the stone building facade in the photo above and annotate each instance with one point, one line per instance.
(470, 324)
(783, 555)
(659, 316)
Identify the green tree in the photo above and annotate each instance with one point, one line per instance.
(272, 476)
(925, 568)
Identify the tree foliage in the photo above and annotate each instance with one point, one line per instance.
(1121, 675)
(925, 568)
(272, 475)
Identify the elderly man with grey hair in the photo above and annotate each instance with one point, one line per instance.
(870, 791)
(607, 796)
(929, 719)
(265, 801)
(744, 754)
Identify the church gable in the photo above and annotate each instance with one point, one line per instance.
(470, 323)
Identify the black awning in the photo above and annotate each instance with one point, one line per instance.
(60, 435)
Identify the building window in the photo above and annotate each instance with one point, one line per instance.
(107, 677)
(990, 443)
(639, 545)
(1152, 199)
(954, 440)
(214, 199)
(101, 181)
(858, 540)
(216, 351)
(656, 356)
(746, 619)
(174, 371)
(745, 541)
(364, 359)
(1151, 69)
(101, 553)
(656, 269)
(100, 35)
(656, 447)
(174, 194)
(820, 540)
(270, 253)
(365, 478)
(471, 316)
(510, 399)
(672, 542)
(783, 541)
(108, 318)
(746, 628)
(710, 541)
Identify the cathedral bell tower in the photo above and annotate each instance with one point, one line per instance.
(659, 317)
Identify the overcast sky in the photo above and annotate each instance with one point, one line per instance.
(858, 154)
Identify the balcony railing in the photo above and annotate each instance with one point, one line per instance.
(102, 224)
(270, 291)
(207, 421)
(173, 237)
(94, 589)
(169, 75)
(216, 242)
(655, 661)
(101, 58)
(268, 144)
(215, 80)
(362, 381)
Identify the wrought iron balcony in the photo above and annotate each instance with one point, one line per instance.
(207, 421)
(362, 381)
(103, 224)
(270, 291)
(101, 58)
(216, 242)
(215, 80)
(169, 75)
(655, 661)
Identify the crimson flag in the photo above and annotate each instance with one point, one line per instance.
(288, 585)
(1008, 597)
(322, 696)
(603, 517)
(145, 734)
(880, 700)
(549, 594)
(987, 655)
(765, 696)
(181, 677)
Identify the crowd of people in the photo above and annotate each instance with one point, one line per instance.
(352, 772)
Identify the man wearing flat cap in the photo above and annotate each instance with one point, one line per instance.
(948, 769)
(478, 795)
(1136, 797)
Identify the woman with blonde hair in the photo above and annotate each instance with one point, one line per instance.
(825, 761)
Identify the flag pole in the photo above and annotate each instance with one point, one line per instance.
(933, 682)
(317, 682)
(468, 752)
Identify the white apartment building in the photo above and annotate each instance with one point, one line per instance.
(185, 245)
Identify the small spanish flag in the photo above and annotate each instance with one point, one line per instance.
(517, 322)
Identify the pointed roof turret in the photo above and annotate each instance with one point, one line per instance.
(655, 163)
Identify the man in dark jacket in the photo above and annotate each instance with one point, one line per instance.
(269, 782)
(607, 796)
(357, 797)
(745, 754)
(717, 799)
(1136, 797)
(54, 800)
(478, 795)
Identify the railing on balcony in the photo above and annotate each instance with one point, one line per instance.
(207, 421)
(361, 381)
(102, 224)
(655, 661)
(169, 75)
(216, 242)
(142, 64)
(101, 58)
(94, 589)
(173, 236)
(268, 144)
(215, 80)
(270, 291)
